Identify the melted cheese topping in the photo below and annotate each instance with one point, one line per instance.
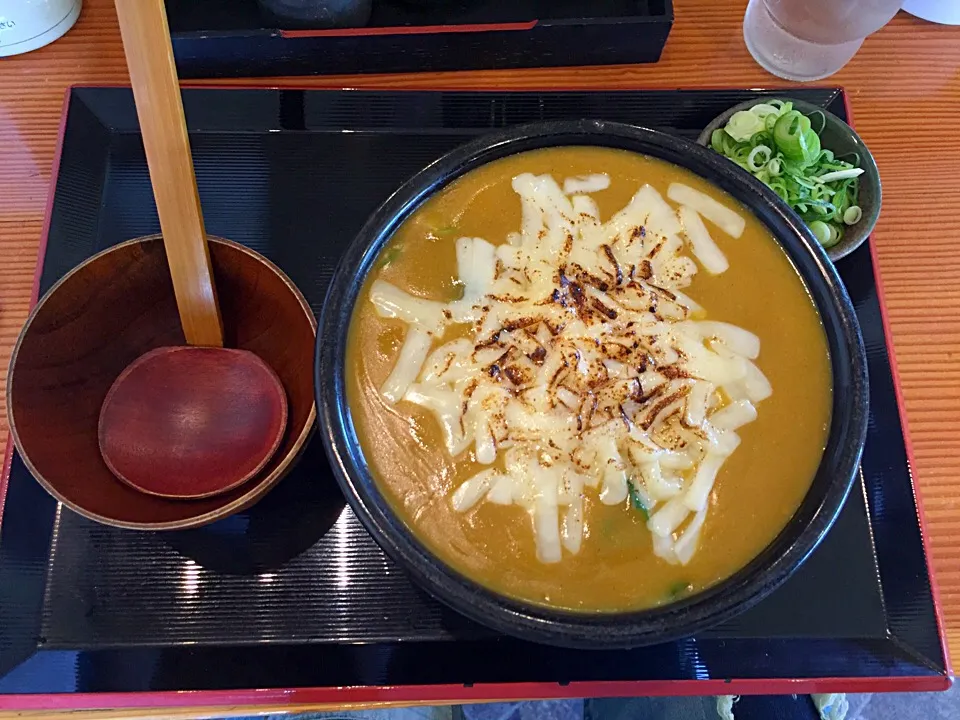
(585, 368)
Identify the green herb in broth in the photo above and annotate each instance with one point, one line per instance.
(435, 226)
(391, 255)
(636, 501)
(678, 590)
(442, 233)
(451, 290)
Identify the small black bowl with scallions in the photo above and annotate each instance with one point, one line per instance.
(809, 157)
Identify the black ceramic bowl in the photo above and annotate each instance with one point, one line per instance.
(769, 569)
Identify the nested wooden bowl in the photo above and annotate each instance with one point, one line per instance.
(107, 312)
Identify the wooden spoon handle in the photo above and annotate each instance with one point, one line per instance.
(156, 90)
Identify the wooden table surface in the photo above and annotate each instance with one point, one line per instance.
(905, 90)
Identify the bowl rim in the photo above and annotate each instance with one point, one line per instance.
(842, 248)
(258, 488)
(614, 629)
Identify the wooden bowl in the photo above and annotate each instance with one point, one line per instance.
(107, 312)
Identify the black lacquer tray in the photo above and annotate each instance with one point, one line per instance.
(292, 598)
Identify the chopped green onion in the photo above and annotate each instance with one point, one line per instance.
(836, 233)
(819, 191)
(802, 181)
(840, 175)
(827, 234)
(716, 140)
(821, 230)
(780, 188)
(853, 161)
(822, 207)
(790, 134)
(762, 110)
(811, 146)
(758, 157)
(823, 120)
(780, 146)
(743, 125)
(852, 215)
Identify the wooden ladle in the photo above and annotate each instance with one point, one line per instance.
(195, 421)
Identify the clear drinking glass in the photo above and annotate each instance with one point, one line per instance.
(811, 39)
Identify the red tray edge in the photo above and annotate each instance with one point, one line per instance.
(904, 425)
(458, 694)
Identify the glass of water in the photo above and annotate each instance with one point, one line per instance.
(811, 39)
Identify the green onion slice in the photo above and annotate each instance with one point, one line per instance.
(759, 157)
(852, 215)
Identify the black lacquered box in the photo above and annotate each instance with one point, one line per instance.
(233, 38)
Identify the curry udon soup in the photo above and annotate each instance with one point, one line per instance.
(588, 379)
